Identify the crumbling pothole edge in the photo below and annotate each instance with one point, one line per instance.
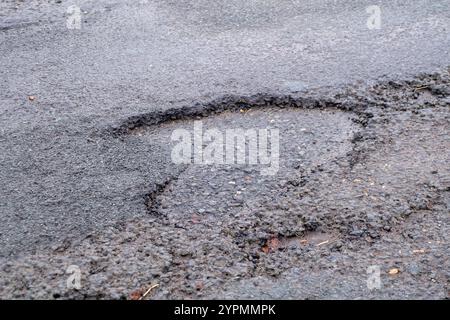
(234, 103)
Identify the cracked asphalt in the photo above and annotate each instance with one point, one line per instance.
(85, 145)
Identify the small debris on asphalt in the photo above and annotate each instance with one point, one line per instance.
(322, 243)
(149, 290)
(394, 271)
(271, 245)
(136, 294)
(199, 285)
(420, 88)
(195, 219)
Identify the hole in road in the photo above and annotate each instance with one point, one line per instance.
(237, 198)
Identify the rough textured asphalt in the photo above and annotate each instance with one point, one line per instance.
(87, 177)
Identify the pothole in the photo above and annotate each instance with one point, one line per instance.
(238, 199)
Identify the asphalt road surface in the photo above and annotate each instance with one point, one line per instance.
(87, 177)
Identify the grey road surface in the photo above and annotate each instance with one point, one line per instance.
(66, 174)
